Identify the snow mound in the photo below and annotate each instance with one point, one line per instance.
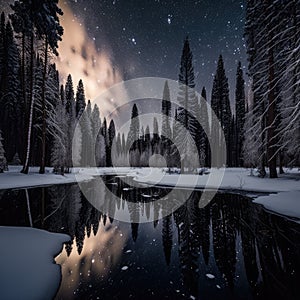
(27, 263)
(284, 203)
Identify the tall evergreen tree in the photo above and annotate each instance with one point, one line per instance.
(155, 138)
(221, 106)
(123, 143)
(188, 104)
(111, 136)
(166, 112)
(166, 132)
(59, 146)
(204, 121)
(50, 31)
(240, 111)
(80, 99)
(86, 146)
(10, 114)
(71, 118)
(133, 137)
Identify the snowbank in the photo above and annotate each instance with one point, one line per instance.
(14, 179)
(232, 179)
(286, 202)
(27, 268)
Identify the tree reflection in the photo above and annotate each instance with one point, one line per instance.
(229, 236)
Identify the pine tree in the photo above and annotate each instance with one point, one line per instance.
(240, 113)
(111, 136)
(59, 146)
(23, 26)
(86, 130)
(9, 92)
(166, 132)
(96, 121)
(70, 119)
(96, 125)
(272, 48)
(155, 139)
(104, 133)
(50, 31)
(118, 144)
(133, 137)
(80, 100)
(204, 121)
(187, 101)
(221, 106)
(166, 113)
(123, 143)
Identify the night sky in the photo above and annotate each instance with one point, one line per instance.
(145, 38)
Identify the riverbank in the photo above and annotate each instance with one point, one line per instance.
(283, 192)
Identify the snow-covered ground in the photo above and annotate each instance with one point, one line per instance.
(286, 201)
(287, 186)
(14, 179)
(27, 268)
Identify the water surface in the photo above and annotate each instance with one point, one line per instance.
(250, 253)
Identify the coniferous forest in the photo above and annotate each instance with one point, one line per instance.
(39, 113)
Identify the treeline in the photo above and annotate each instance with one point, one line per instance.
(184, 139)
(41, 120)
(29, 83)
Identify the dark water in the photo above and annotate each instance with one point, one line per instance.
(251, 253)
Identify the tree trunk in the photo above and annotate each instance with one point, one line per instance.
(281, 171)
(271, 116)
(25, 111)
(31, 97)
(42, 166)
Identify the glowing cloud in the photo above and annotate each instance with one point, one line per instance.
(79, 57)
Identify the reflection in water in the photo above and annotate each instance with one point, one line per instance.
(252, 253)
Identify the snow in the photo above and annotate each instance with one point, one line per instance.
(287, 186)
(27, 263)
(124, 268)
(286, 202)
(14, 179)
(210, 276)
(232, 179)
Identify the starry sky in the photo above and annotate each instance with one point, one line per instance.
(145, 38)
(107, 41)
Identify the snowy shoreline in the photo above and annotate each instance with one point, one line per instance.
(281, 195)
(29, 272)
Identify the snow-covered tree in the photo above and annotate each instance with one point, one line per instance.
(49, 30)
(59, 147)
(100, 151)
(9, 90)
